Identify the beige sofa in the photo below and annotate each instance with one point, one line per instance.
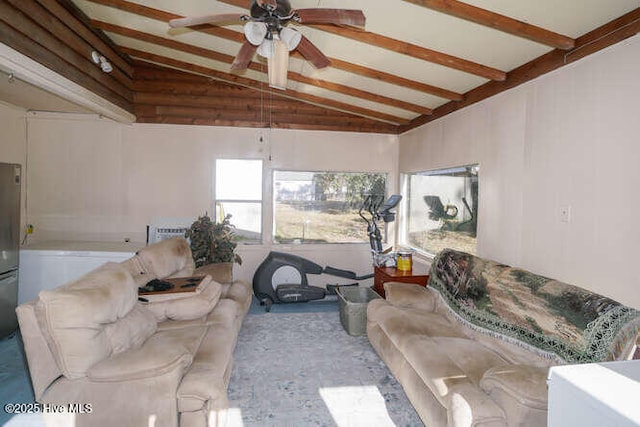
(165, 362)
(474, 347)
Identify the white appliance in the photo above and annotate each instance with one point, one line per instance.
(46, 265)
(595, 395)
(10, 177)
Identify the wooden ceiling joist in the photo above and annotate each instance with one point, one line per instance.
(238, 37)
(402, 47)
(30, 30)
(253, 84)
(499, 22)
(604, 36)
(228, 59)
(79, 26)
(56, 27)
(414, 51)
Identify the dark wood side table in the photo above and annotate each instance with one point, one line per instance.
(419, 276)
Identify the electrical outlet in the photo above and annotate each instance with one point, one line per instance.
(565, 213)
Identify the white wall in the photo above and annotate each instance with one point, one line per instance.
(569, 138)
(13, 145)
(94, 179)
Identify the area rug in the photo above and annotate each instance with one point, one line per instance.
(289, 369)
(303, 369)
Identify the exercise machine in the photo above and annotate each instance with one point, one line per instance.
(282, 277)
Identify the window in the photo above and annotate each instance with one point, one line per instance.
(322, 207)
(442, 209)
(239, 193)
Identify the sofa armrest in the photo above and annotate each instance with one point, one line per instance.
(221, 272)
(411, 296)
(469, 406)
(525, 384)
(43, 368)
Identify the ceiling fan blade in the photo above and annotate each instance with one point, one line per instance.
(244, 57)
(351, 17)
(312, 54)
(219, 19)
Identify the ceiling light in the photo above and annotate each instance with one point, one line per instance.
(255, 32)
(98, 59)
(266, 48)
(290, 37)
(105, 65)
(95, 56)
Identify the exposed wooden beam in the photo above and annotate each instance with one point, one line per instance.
(228, 59)
(243, 81)
(499, 22)
(399, 46)
(61, 31)
(414, 51)
(609, 34)
(394, 79)
(182, 120)
(238, 37)
(24, 23)
(26, 37)
(78, 24)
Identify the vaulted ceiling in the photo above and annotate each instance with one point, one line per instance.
(415, 60)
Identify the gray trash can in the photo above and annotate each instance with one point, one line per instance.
(353, 308)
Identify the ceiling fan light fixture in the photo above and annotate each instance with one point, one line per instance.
(255, 32)
(290, 37)
(266, 48)
(278, 65)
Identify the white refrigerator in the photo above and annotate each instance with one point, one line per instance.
(10, 177)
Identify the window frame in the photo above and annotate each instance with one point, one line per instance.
(261, 202)
(272, 236)
(404, 219)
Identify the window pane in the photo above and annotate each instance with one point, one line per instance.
(238, 179)
(322, 207)
(442, 209)
(246, 217)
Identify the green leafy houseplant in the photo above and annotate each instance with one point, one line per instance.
(212, 242)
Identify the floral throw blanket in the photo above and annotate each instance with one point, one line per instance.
(576, 325)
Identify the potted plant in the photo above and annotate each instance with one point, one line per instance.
(213, 247)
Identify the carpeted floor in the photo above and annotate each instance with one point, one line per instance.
(15, 386)
(303, 369)
(294, 366)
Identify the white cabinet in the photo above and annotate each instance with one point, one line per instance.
(47, 265)
(595, 395)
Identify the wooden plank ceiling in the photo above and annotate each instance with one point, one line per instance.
(415, 61)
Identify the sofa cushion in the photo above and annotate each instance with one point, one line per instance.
(131, 331)
(554, 318)
(190, 307)
(167, 257)
(161, 353)
(524, 383)
(400, 323)
(411, 296)
(73, 316)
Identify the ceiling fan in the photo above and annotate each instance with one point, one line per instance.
(267, 32)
